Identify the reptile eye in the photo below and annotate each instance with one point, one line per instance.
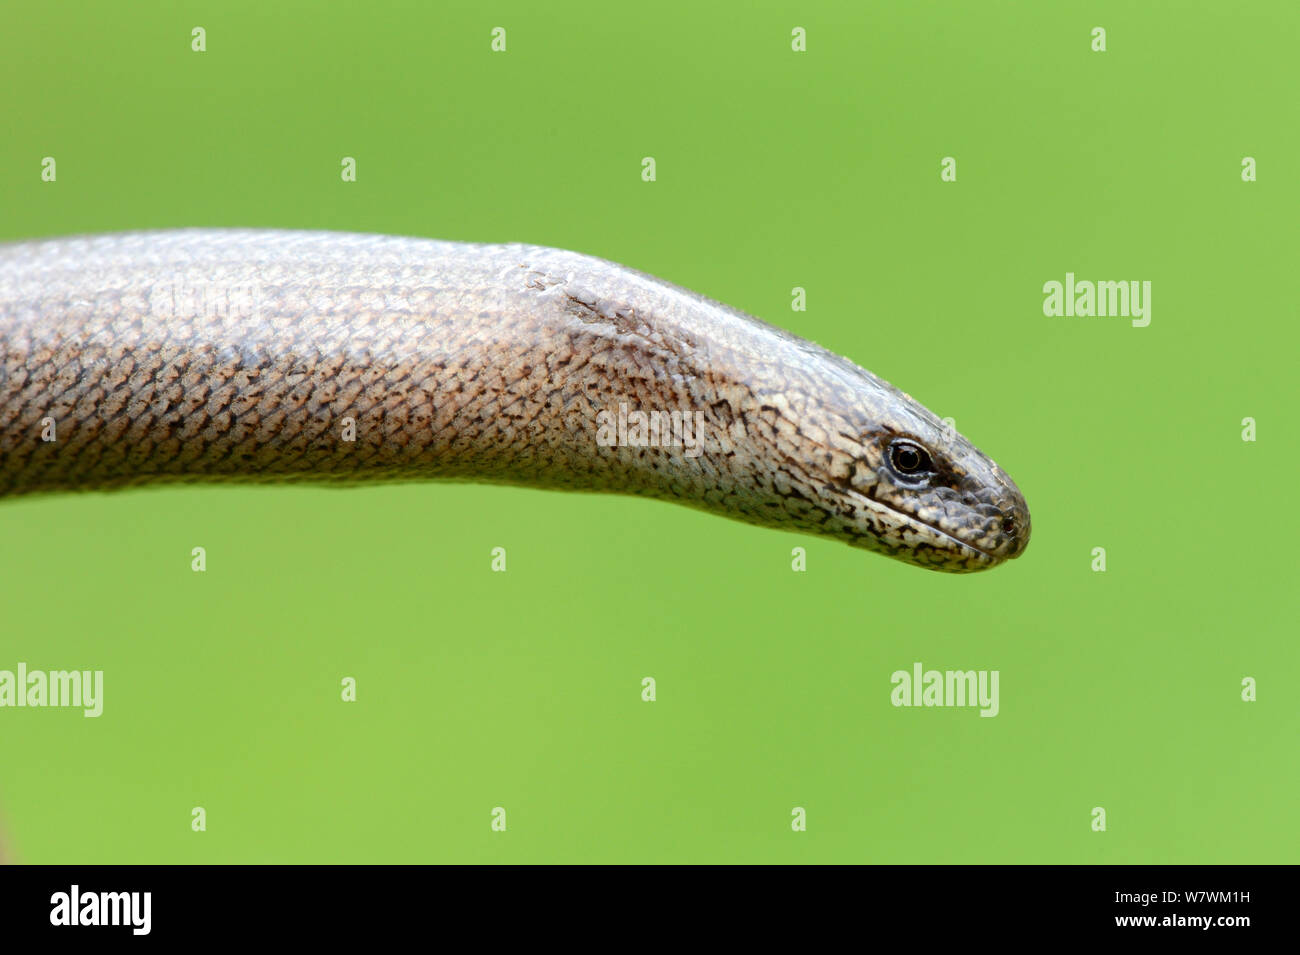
(909, 459)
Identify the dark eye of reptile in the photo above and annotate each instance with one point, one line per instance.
(909, 459)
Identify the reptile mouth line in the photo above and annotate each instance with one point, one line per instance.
(992, 559)
(963, 548)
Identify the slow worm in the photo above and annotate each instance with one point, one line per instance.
(212, 354)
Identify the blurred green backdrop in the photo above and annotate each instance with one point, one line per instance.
(775, 169)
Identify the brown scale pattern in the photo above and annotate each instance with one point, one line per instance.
(239, 355)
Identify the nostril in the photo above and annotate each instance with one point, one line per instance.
(1018, 528)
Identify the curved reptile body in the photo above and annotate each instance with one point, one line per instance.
(212, 354)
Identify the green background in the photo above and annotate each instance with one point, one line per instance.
(775, 169)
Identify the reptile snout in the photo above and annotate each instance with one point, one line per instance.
(1016, 524)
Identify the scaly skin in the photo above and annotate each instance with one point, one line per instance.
(212, 354)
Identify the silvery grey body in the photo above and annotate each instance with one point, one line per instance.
(258, 355)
